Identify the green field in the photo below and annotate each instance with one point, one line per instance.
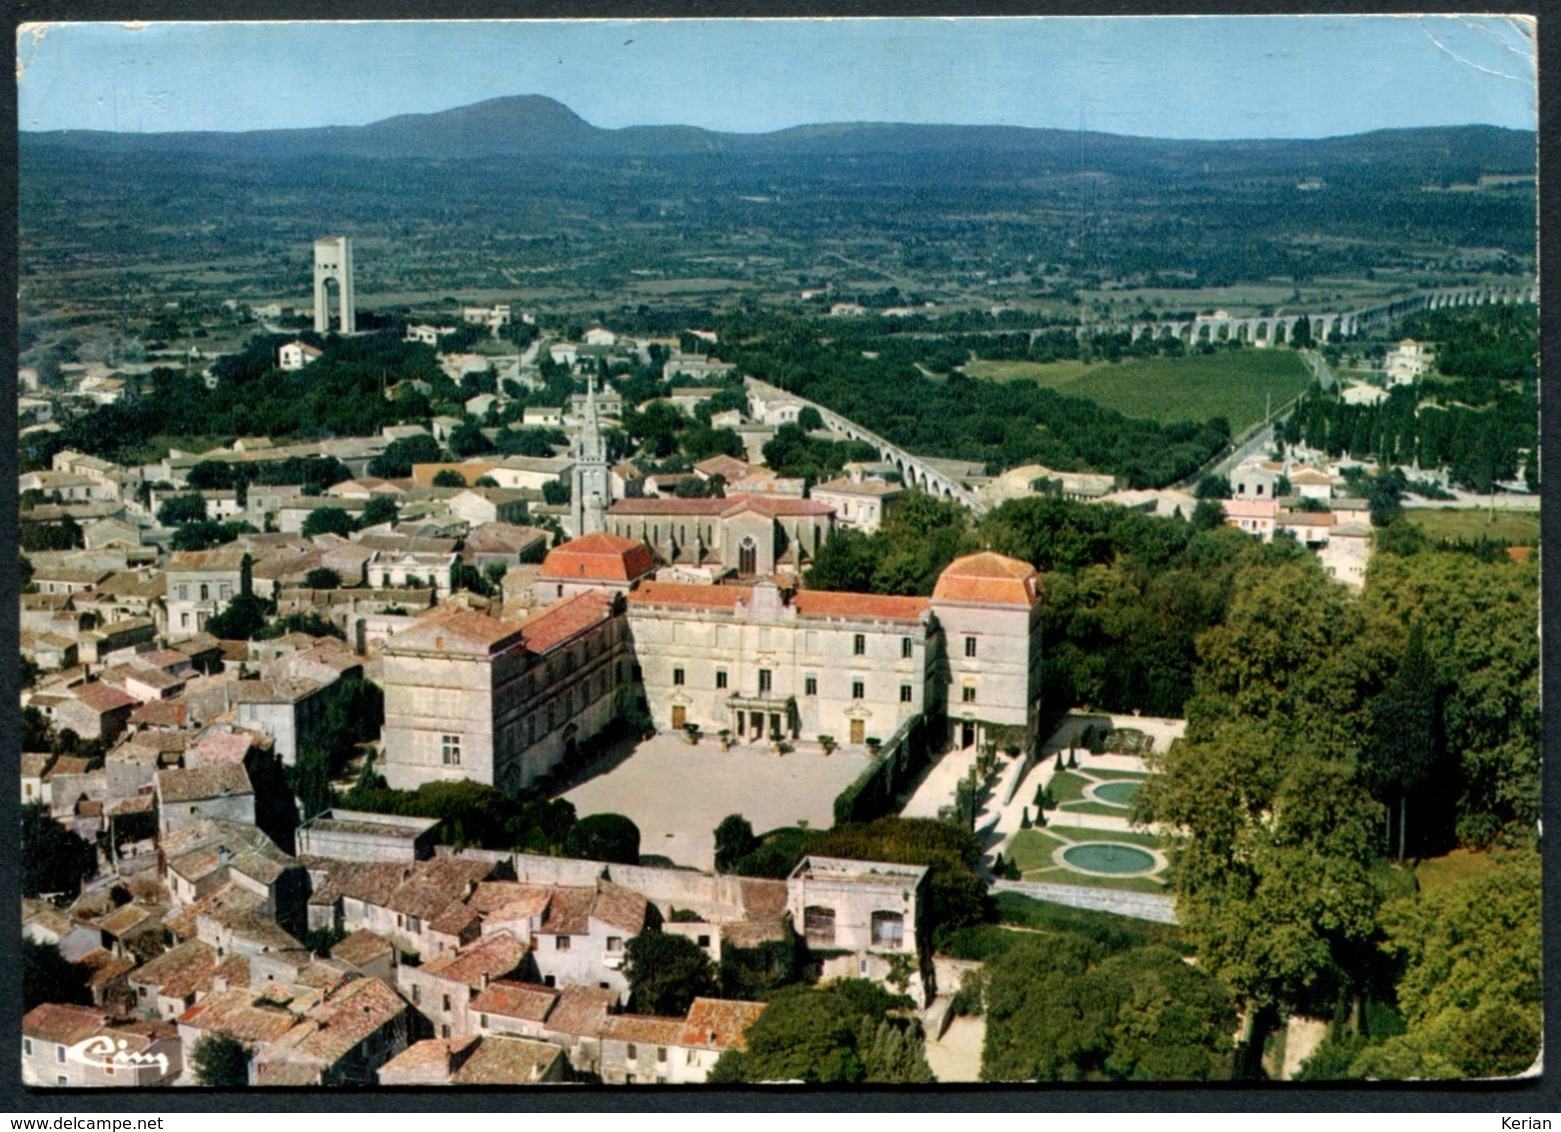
(1235, 384)
(1515, 528)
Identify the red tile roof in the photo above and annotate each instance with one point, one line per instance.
(690, 596)
(101, 698)
(599, 557)
(719, 1023)
(773, 505)
(988, 579)
(491, 957)
(161, 713)
(516, 1000)
(62, 1024)
(564, 620)
(823, 603)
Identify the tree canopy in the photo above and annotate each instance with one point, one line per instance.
(666, 973)
(604, 837)
(841, 1033)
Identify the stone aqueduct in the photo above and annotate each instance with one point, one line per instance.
(1278, 329)
(1273, 330)
(912, 470)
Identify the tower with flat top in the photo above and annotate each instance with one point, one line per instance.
(333, 262)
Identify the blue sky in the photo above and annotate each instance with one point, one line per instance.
(1206, 77)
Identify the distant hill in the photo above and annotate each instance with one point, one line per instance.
(535, 127)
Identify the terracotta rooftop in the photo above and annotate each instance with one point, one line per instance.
(773, 505)
(193, 785)
(491, 957)
(100, 697)
(564, 620)
(362, 946)
(180, 971)
(568, 912)
(988, 579)
(240, 1013)
(104, 967)
(62, 1024)
(500, 1059)
(223, 747)
(719, 1023)
(688, 596)
(581, 1010)
(875, 607)
(599, 557)
(642, 1028)
(460, 631)
(505, 999)
(619, 907)
(161, 713)
(348, 1015)
(508, 899)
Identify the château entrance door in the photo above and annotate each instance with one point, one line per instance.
(858, 730)
(679, 717)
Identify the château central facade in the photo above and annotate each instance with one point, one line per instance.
(468, 696)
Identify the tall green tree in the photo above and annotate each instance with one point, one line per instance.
(666, 973)
(220, 1062)
(47, 976)
(54, 859)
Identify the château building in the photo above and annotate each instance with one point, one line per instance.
(504, 702)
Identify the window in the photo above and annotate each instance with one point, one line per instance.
(810, 685)
(764, 681)
(905, 693)
(184, 620)
(661, 1053)
(205, 592)
(677, 677)
(548, 981)
(970, 646)
(184, 592)
(858, 690)
(818, 923)
(561, 943)
(906, 647)
(414, 925)
(482, 1020)
(967, 694)
(225, 591)
(720, 677)
(888, 930)
(59, 1054)
(614, 943)
(704, 941)
(446, 1004)
(450, 749)
(62, 1080)
(859, 645)
(27, 1043)
(444, 1030)
(417, 995)
(633, 1052)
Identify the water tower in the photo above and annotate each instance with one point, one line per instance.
(333, 261)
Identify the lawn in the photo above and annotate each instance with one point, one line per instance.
(1515, 528)
(1033, 849)
(1092, 808)
(1059, 875)
(1236, 384)
(1058, 828)
(1103, 774)
(1068, 787)
(1438, 872)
